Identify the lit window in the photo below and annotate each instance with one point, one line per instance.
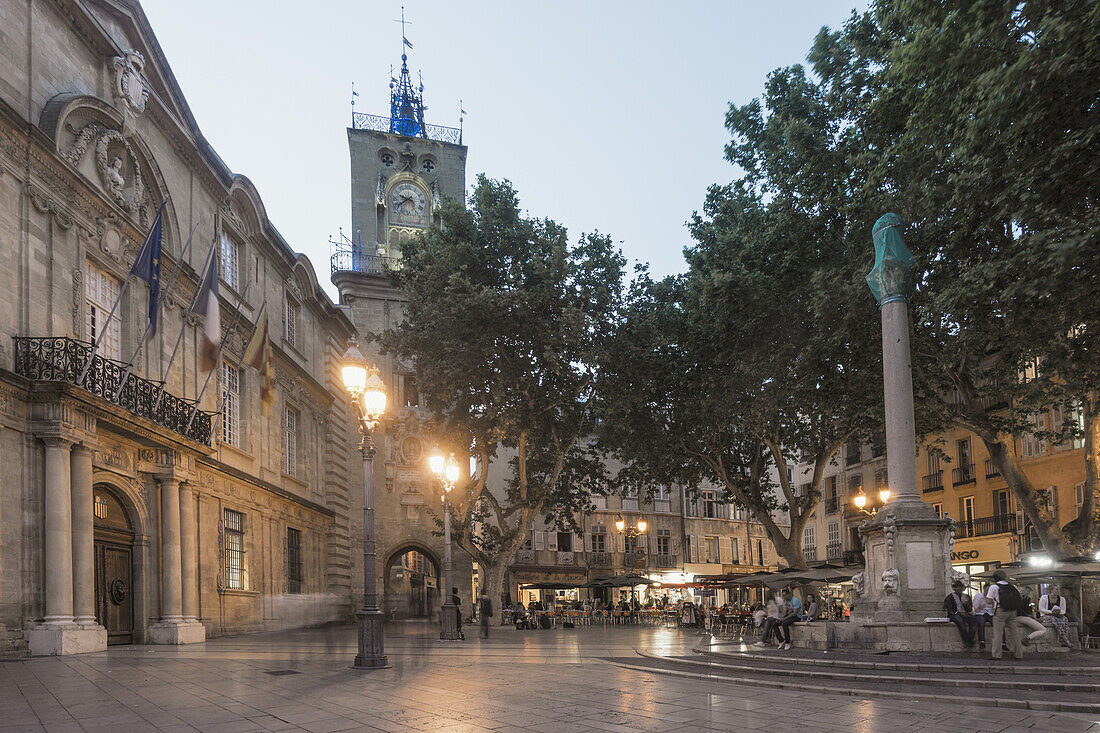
(100, 292)
(234, 550)
(290, 441)
(664, 542)
(710, 546)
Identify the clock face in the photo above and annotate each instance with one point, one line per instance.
(408, 202)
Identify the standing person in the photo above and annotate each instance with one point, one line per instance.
(457, 600)
(960, 610)
(983, 614)
(1009, 613)
(1052, 609)
(792, 612)
(486, 612)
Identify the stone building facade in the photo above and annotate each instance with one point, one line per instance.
(139, 515)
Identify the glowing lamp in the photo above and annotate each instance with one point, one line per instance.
(641, 525)
(860, 500)
(884, 495)
(353, 369)
(451, 470)
(619, 523)
(436, 462)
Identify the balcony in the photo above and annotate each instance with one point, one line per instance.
(809, 552)
(932, 482)
(832, 505)
(666, 561)
(566, 558)
(853, 557)
(599, 559)
(378, 123)
(60, 359)
(833, 551)
(525, 557)
(348, 258)
(984, 526)
(990, 469)
(964, 474)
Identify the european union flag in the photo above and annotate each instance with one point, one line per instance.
(147, 267)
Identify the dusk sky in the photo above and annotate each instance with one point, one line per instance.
(606, 116)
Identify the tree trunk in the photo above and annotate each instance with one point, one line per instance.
(493, 588)
(1084, 531)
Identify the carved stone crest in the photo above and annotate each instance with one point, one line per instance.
(130, 85)
(112, 172)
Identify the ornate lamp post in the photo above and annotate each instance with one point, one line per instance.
(631, 532)
(860, 500)
(368, 394)
(447, 473)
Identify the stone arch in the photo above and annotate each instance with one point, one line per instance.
(140, 567)
(411, 591)
(245, 208)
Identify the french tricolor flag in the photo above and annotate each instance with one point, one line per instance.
(206, 303)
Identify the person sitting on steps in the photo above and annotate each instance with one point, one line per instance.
(960, 611)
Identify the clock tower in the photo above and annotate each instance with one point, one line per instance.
(401, 168)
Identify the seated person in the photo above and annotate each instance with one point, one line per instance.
(812, 608)
(960, 611)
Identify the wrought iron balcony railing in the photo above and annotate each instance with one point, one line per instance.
(990, 469)
(963, 474)
(666, 561)
(378, 123)
(809, 552)
(347, 259)
(983, 526)
(566, 558)
(525, 557)
(833, 551)
(933, 481)
(599, 559)
(61, 359)
(832, 504)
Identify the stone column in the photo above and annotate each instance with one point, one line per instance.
(189, 555)
(171, 601)
(83, 535)
(58, 533)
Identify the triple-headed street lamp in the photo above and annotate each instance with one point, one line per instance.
(368, 394)
(446, 470)
(632, 530)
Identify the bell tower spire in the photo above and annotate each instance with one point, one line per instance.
(406, 101)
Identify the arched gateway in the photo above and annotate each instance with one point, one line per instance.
(114, 566)
(412, 583)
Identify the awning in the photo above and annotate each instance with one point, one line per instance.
(618, 581)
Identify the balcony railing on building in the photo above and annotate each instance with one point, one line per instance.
(61, 359)
(666, 561)
(525, 557)
(963, 474)
(378, 123)
(991, 470)
(832, 504)
(809, 552)
(834, 551)
(983, 526)
(566, 558)
(349, 258)
(933, 482)
(599, 559)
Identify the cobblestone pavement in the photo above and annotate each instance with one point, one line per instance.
(552, 681)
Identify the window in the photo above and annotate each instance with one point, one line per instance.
(938, 509)
(599, 539)
(565, 541)
(234, 550)
(290, 441)
(600, 502)
(882, 479)
(231, 405)
(1030, 444)
(664, 542)
(1078, 497)
(1001, 504)
(710, 547)
(855, 483)
(878, 446)
(804, 489)
(100, 293)
(966, 509)
(290, 321)
(834, 533)
(808, 538)
(230, 262)
(760, 552)
(831, 501)
(410, 395)
(735, 543)
(710, 505)
(293, 560)
(852, 453)
(630, 500)
(661, 501)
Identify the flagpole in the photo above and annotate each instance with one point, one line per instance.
(218, 355)
(118, 299)
(183, 325)
(149, 325)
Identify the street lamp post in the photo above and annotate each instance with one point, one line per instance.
(447, 473)
(368, 395)
(631, 532)
(860, 500)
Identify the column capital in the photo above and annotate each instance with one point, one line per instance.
(85, 447)
(56, 441)
(892, 274)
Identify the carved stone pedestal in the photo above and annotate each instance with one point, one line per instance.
(66, 638)
(907, 551)
(172, 632)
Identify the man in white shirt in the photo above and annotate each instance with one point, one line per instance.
(1004, 620)
(1053, 610)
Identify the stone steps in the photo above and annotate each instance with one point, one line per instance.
(1032, 687)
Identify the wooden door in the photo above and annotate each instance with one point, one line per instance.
(114, 590)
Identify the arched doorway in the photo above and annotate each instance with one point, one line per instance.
(412, 584)
(114, 566)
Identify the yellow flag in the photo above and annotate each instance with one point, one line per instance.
(258, 354)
